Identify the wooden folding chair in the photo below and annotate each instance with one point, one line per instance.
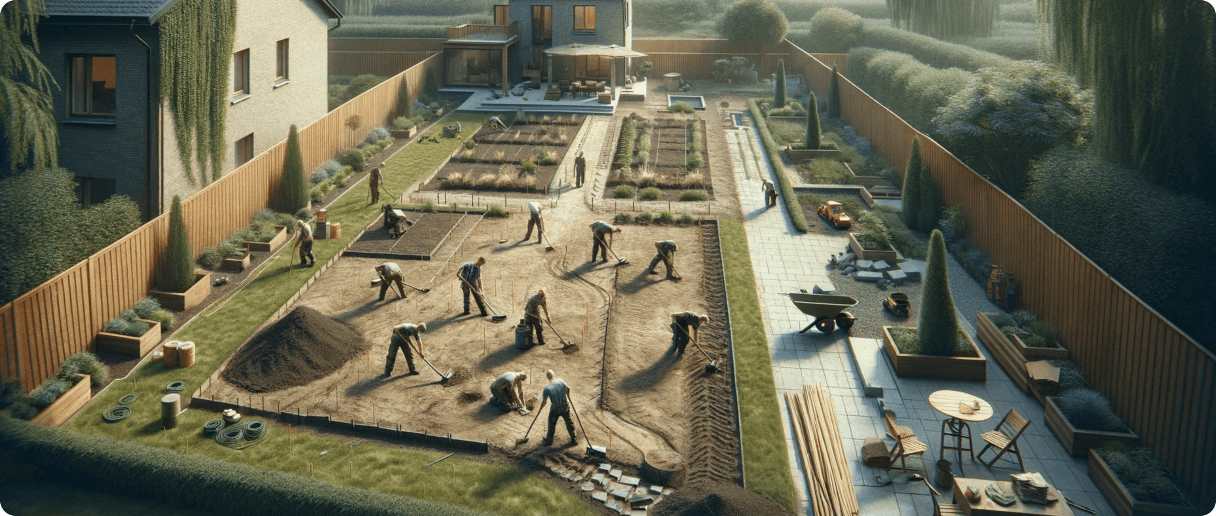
(942, 509)
(906, 443)
(1005, 438)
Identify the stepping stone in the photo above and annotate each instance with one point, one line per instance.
(588, 486)
(616, 473)
(622, 493)
(599, 496)
(640, 501)
(864, 265)
(844, 260)
(614, 486)
(597, 477)
(567, 475)
(897, 276)
(656, 489)
(604, 481)
(871, 361)
(605, 467)
(613, 505)
(847, 270)
(823, 288)
(630, 481)
(915, 269)
(668, 491)
(880, 265)
(867, 276)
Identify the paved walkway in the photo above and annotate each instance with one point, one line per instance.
(785, 261)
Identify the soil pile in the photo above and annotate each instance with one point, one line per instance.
(717, 499)
(460, 374)
(300, 348)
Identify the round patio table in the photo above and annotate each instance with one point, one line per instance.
(950, 403)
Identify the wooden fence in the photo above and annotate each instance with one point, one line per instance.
(385, 64)
(1158, 379)
(62, 316)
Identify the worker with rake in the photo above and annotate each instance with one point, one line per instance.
(667, 254)
(507, 391)
(401, 341)
(600, 229)
(558, 393)
(537, 302)
(304, 240)
(390, 273)
(536, 220)
(770, 194)
(683, 325)
(470, 276)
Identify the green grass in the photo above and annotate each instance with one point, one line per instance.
(491, 488)
(774, 156)
(766, 464)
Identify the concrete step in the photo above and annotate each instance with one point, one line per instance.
(876, 376)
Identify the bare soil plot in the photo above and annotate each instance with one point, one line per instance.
(418, 242)
(661, 158)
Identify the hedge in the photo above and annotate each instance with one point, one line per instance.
(931, 51)
(911, 89)
(230, 488)
(774, 156)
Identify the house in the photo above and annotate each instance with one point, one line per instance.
(480, 55)
(115, 132)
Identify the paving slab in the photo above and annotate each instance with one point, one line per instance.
(871, 361)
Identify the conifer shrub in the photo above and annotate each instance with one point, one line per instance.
(779, 86)
(912, 186)
(938, 330)
(176, 270)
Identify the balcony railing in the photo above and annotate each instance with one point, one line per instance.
(461, 31)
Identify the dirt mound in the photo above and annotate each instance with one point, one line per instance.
(459, 375)
(470, 396)
(717, 499)
(300, 348)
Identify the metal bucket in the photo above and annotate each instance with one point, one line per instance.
(523, 335)
(944, 477)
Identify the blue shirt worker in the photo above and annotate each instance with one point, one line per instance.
(507, 391)
(667, 254)
(402, 334)
(535, 210)
(558, 393)
(390, 273)
(600, 230)
(536, 302)
(683, 325)
(470, 283)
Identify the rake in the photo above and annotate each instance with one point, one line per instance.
(567, 347)
(428, 362)
(619, 261)
(525, 438)
(497, 317)
(592, 450)
(712, 366)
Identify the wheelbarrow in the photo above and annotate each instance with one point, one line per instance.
(828, 310)
(898, 304)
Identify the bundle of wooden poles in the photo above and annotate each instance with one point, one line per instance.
(823, 458)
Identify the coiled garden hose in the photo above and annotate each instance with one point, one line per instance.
(126, 400)
(176, 386)
(242, 435)
(213, 426)
(116, 414)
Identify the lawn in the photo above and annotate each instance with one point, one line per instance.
(766, 466)
(219, 332)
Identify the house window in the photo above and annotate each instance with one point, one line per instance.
(281, 55)
(542, 24)
(479, 67)
(240, 72)
(244, 150)
(592, 66)
(502, 15)
(93, 80)
(584, 17)
(93, 190)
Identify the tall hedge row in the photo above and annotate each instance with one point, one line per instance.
(913, 90)
(774, 156)
(212, 485)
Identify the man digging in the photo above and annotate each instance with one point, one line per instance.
(770, 194)
(667, 254)
(496, 123)
(683, 325)
(536, 220)
(401, 335)
(600, 229)
(470, 273)
(507, 392)
(559, 393)
(373, 181)
(537, 302)
(304, 240)
(390, 273)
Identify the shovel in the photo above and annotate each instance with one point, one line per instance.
(550, 246)
(567, 347)
(497, 317)
(592, 450)
(669, 260)
(712, 366)
(428, 362)
(525, 438)
(423, 290)
(619, 261)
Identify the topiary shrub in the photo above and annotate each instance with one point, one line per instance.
(693, 195)
(87, 363)
(779, 86)
(938, 328)
(469, 144)
(649, 194)
(912, 186)
(496, 211)
(1087, 409)
(814, 134)
(930, 210)
(176, 270)
(623, 192)
(292, 193)
(623, 218)
(834, 94)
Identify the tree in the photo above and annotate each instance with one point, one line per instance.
(754, 23)
(938, 329)
(930, 209)
(779, 86)
(834, 94)
(405, 106)
(176, 270)
(30, 130)
(1156, 114)
(945, 19)
(813, 136)
(292, 193)
(912, 185)
(1010, 115)
(834, 30)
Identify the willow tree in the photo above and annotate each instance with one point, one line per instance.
(945, 19)
(29, 130)
(1151, 66)
(195, 47)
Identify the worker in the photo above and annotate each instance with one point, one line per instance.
(559, 393)
(390, 272)
(580, 169)
(536, 220)
(401, 341)
(536, 302)
(373, 181)
(304, 240)
(770, 194)
(470, 276)
(599, 229)
(507, 391)
(496, 123)
(667, 254)
(684, 325)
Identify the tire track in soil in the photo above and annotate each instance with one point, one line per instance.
(713, 443)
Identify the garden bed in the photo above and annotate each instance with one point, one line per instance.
(973, 368)
(659, 157)
(1075, 440)
(280, 236)
(871, 254)
(1002, 350)
(128, 345)
(182, 301)
(1120, 500)
(429, 231)
(500, 154)
(471, 176)
(66, 406)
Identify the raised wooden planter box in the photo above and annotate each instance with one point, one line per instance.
(1123, 503)
(236, 264)
(404, 133)
(809, 154)
(942, 368)
(1002, 350)
(131, 346)
(1053, 353)
(66, 406)
(180, 302)
(1078, 441)
(280, 236)
(855, 179)
(863, 254)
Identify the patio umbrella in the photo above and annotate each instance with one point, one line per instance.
(609, 51)
(573, 49)
(613, 52)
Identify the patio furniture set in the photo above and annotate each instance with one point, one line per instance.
(586, 87)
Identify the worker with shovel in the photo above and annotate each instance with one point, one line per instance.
(304, 240)
(390, 273)
(770, 194)
(470, 274)
(559, 393)
(401, 335)
(535, 220)
(600, 229)
(681, 323)
(667, 254)
(536, 302)
(374, 179)
(507, 391)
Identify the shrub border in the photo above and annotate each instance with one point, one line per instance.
(774, 156)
